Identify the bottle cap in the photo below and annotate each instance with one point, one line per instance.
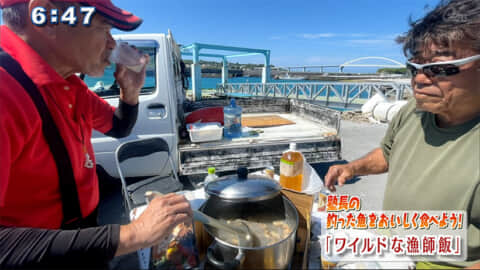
(211, 170)
(233, 103)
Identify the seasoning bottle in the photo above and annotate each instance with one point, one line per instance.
(211, 176)
(291, 169)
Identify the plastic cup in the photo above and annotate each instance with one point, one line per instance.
(322, 199)
(270, 172)
(128, 56)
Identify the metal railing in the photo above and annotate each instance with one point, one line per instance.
(346, 95)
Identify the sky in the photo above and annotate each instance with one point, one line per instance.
(298, 33)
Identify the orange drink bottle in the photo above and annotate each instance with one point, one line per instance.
(291, 169)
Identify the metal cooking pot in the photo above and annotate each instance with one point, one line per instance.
(258, 198)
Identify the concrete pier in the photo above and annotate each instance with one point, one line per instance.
(358, 139)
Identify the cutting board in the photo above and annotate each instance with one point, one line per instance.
(265, 121)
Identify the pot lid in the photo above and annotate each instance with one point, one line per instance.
(243, 187)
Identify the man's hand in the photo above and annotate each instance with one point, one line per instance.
(373, 163)
(155, 224)
(130, 82)
(338, 174)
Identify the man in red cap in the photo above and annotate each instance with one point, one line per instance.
(48, 184)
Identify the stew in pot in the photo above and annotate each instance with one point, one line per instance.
(264, 232)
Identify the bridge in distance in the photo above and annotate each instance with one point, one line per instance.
(352, 63)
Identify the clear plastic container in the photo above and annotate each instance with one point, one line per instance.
(205, 132)
(291, 169)
(232, 118)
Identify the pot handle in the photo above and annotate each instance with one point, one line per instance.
(242, 173)
(225, 265)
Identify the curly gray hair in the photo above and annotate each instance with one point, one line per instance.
(451, 22)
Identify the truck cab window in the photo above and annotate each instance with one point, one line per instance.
(106, 86)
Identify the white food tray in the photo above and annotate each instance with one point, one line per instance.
(205, 132)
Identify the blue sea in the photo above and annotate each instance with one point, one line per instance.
(211, 83)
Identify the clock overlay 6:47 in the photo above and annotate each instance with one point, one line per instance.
(40, 16)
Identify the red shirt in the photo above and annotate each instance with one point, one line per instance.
(29, 184)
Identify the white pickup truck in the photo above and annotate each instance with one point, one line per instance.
(163, 108)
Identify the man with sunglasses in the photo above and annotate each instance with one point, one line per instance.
(431, 150)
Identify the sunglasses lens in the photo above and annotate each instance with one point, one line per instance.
(433, 71)
(443, 70)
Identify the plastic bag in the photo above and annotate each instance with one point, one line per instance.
(178, 251)
(313, 182)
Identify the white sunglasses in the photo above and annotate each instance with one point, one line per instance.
(445, 68)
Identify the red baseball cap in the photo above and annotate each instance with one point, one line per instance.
(119, 18)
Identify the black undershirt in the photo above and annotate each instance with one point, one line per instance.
(124, 119)
(32, 248)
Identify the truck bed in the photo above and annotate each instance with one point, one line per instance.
(303, 129)
(315, 130)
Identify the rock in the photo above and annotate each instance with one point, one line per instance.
(356, 116)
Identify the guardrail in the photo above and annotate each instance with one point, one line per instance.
(337, 94)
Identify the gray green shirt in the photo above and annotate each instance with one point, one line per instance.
(433, 168)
